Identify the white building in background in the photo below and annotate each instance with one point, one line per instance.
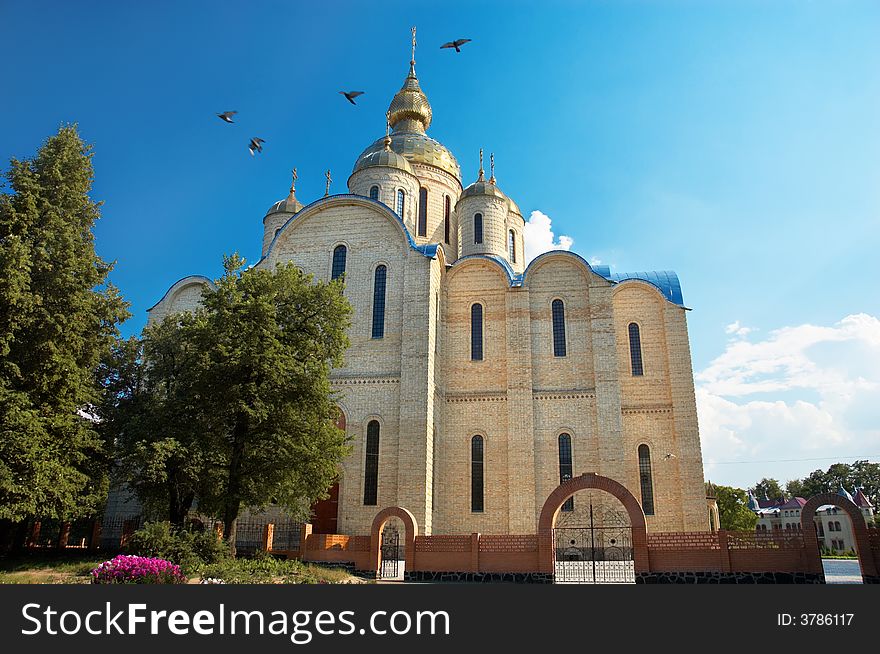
(833, 526)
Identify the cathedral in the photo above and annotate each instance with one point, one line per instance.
(477, 381)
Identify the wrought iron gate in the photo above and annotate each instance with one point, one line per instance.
(389, 567)
(593, 548)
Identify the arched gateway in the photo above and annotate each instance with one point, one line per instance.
(859, 529)
(587, 481)
(411, 527)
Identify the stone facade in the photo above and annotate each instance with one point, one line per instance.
(427, 393)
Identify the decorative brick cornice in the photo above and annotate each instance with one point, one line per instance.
(476, 397)
(358, 381)
(651, 410)
(565, 394)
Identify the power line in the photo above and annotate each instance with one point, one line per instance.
(821, 458)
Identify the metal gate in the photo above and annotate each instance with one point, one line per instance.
(593, 547)
(389, 567)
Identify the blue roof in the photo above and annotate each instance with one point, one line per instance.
(665, 280)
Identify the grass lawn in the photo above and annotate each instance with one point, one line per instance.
(51, 567)
(73, 567)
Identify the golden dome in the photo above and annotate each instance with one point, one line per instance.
(514, 207)
(410, 115)
(387, 158)
(482, 187)
(410, 103)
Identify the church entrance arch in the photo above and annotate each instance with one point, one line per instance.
(592, 530)
(858, 525)
(393, 542)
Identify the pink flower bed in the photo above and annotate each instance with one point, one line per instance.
(125, 569)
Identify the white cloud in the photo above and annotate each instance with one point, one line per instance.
(595, 261)
(539, 237)
(802, 392)
(736, 329)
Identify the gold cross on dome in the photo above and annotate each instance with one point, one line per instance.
(329, 179)
(413, 60)
(293, 180)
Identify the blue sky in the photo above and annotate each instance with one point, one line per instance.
(737, 143)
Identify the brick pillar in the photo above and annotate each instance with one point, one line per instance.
(95, 542)
(725, 552)
(304, 534)
(64, 535)
(35, 534)
(475, 552)
(268, 536)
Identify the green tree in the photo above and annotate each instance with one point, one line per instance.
(733, 509)
(768, 488)
(58, 317)
(861, 474)
(267, 341)
(231, 404)
(151, 411)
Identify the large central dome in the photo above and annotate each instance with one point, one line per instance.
(410, 115)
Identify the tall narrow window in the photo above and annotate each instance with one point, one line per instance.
(558, 310)
(477, 474)
(478, 228)
(401, 198)
(371, 465)
(379, 302)
(565, 467)
(477, 332)
(446, 211)
(635, 350)
(374, 192)
(645, 480)
(423, 211)
(511, 246)
(338, 268)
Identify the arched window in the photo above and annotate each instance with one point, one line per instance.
(511, 246)
(338, 268)
(379, 302)
(446, 211)
(374, 192)
(565, 467)
(477, 332)
(645, 480)
(401, 199)
(558, 310)
(477, 474)
(423, 211)
(478, 228)
(635, 350)
(371, 464)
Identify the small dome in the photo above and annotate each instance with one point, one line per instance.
(287, 205)
(386, 157)
(410, 103)
(514, 207)
(482, 187)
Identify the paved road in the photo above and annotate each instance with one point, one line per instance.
(842, 571)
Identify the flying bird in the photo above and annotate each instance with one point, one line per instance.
(455, 44)
(669, 456)
(351, 95)
(256, 145)
(227, 116)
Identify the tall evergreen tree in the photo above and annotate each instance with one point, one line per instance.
(269, 340)
(58, 317)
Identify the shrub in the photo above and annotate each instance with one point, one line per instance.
(126, 569)
(190, 549)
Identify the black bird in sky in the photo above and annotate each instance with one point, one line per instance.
(455, 44)
(256, 145)
(227, 116)
(351, 95)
